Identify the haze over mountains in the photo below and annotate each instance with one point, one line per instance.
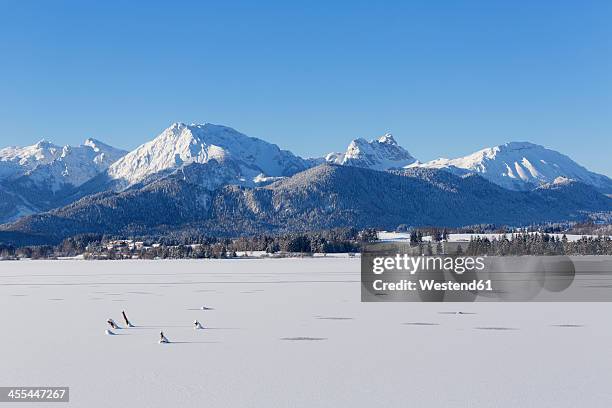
(217, 180)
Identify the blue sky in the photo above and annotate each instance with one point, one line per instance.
(445, 77)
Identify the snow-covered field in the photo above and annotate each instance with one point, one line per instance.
(287, 333)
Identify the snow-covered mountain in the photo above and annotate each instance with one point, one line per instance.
(198, 166)
(200, 198)
(16, 161)
(182, 144)
(76, 165)
(54, 167)
(40, 177)
(521, 166)
(379, 154)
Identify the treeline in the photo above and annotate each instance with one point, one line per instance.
(31, 252)
(332, 241)
(574, 228)
(538, 244)
(341, 240)
(92, 246)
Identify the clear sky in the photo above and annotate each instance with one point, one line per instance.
(445, 77)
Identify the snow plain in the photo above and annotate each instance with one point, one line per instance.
(287, 333)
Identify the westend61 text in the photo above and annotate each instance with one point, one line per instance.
(429, 285)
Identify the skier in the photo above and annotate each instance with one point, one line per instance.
(162, 338)
(197, 325)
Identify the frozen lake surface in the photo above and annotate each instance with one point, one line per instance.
(287, 333)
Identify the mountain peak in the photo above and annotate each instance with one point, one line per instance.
(387, 138)
(379, 154)
(44, 144)
(521, 166)
(182, 144)
(48, 167)
(514, 146)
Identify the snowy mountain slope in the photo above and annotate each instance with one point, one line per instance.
(182, 144)
(75, 165)
(198, 197)
(13, 206)
(37, 178)
(203, 159)
(379, 154)
(16, 161)
(52, 166)
(521, 166)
